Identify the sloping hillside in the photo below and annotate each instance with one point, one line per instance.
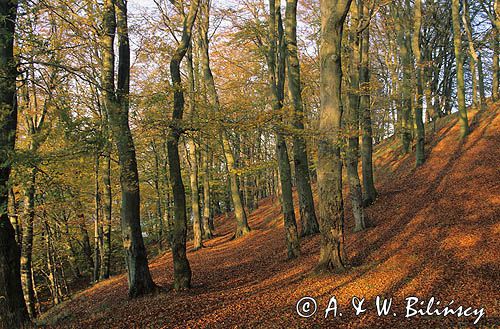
(435, 233)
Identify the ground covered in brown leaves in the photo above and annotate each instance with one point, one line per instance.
(435, 233)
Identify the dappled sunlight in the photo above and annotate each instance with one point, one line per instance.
(435, 233)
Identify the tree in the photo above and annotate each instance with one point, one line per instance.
(352, 122)
(117, 106)
(300, 160)
(419, 72)
(13, 311)
(276, 67)
(240, 215)
(366, 113)
(182, 270)
(331, 208)
(457, 43)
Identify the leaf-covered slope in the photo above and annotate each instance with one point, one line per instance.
(435, 233)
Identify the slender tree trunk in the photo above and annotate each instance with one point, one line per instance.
(117, 106)
(457, 43)
(474, 57)
(85, 239)
(366, 120)
(207, 218)
(352, 120)
(276, 67)
(16, 223)
(420, 152)
(97, 223)
(404, 53)
(159, 213)
(242, 227)
(107, 206)
(331, 208)
(301, 162)
(182, 270)
(27, 249)
(193, 159)
(496, 67)
(480, 72)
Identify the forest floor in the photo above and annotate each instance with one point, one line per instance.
(435, 233)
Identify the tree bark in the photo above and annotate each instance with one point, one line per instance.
(107, 207)
(207, 218)
(117, 106)
(27, 249)
(301, 162)
(193, 159)
(404, 53)
(420, 151)
(352, 124)
(242, 227)
(366, 120)
(331, 208)
(457, 43)
(182, 270)
(13, 311)
(276, 68)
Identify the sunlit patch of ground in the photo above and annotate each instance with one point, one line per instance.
(436, 234)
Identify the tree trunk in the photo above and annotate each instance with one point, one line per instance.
(193, 159)
(207, 218)
(27, 249)
(366, 120)
(352, 124)
(182, 270)
(159, 213)
(420, 152)
(457, 43)
(276, 55)
(301, 162)
(242, 227)
(97, 224)
(117, 106)
(107, 206)
(474, 57)
(331, 208)
(13, 312)
(404, 53)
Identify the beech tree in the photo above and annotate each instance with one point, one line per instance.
(13, 311)
(331, 207)
(276, 67)
(182, 270)
(300, 158)
(117, 105)
(457, 43)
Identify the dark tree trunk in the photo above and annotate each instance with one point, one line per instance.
(13, 311)
(117, 106)
(352, 125)
(182, 270)
(301, 162)
(366, 119)
(107, 206)
(276, 67)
